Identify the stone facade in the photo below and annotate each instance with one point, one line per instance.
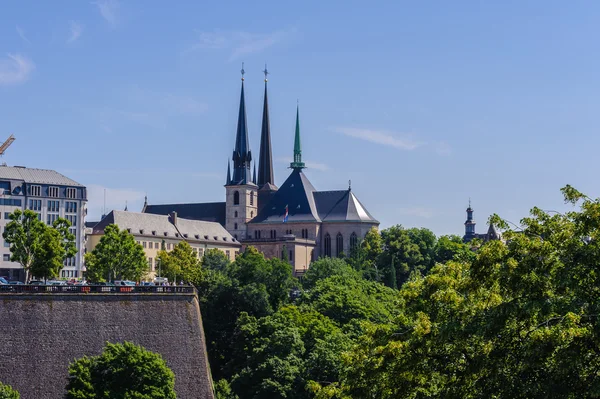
(240, 213)
(41, 334)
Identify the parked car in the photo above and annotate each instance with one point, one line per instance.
(161, 280)
(36, 282)
(15, 282)
(3, 281)
(56, 282)
(148, 283)
(125, 282)
(83, 282)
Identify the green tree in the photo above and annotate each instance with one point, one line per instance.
(327, 267)
(6, 392)
(452, 248)
(117, 256)
(23, 233)
(55, 245)
(122, 371)
(400, 249)
(181, 263)
(215, 259)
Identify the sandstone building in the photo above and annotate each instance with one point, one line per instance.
(156, 232)
(295, 220)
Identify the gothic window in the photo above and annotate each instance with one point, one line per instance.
(251, 197)
(236, 198)
(339, 245)
(235, 226)
(235, 214)
(251, 214)
(327, 245)
(353, 242)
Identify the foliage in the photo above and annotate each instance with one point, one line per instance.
(55, 245)
(452, 248)
(215, 259)
(117, 256)
(122, 371)
(223, 390)
(519, 321)
(181, 263)
(40, 249)
(6, 392)
(324, 268)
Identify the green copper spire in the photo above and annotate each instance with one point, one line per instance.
(297, 164)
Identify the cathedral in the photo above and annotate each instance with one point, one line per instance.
(293, 221)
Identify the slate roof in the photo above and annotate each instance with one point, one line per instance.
(297, 193)
(161, 224)
(208, 211)
(305, 204)
(39, 176)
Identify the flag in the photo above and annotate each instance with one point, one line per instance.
(285, 217)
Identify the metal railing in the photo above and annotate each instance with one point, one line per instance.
(94, 289)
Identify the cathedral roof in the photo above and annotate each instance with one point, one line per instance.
(305, 204)
(297, 194)
(207, 211)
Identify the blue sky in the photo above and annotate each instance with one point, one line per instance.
(421, 104)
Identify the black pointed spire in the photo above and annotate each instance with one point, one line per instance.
(242, 156)
(265, 162)
(254, 178)
(228, 174)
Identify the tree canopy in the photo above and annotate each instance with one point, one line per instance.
(6, 392)
(181, 263)
(122, 371)
(40, 249)
(116, 256)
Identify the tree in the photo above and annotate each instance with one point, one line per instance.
(55, 245)
(122, 371)
(23, 233)
(398, 243)
(180, 263)
(6, 392)
(215, 259)
(518, 321)
(117, 256)
(452, 248)
(327, 267)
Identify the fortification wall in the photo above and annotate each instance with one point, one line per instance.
(41, 334)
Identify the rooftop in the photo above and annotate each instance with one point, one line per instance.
(32, 175)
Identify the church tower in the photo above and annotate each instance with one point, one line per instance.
(241, 192)
(266, 178)
(469, 225)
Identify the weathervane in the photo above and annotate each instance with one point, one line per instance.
(266, 72)
(349, 185)
(242, 71)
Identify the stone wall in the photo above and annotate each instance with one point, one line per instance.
(41, 334)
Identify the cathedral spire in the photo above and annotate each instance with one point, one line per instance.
(242, 156)
(228, 174)
(254, 176)
(265, 162)
(297, 164)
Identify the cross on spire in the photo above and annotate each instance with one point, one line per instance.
(242, 71)
(266, 72)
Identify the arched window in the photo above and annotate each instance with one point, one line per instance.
(235, 214)
(235, 226)
(236, 198)
(339, 245)
(327, 245)
(353, 242)
(251, 214)
(251, 197)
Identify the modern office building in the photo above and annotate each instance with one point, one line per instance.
(51, 195)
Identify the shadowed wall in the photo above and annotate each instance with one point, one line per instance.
(41, 334)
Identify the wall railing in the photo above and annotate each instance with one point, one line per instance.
(94, 289)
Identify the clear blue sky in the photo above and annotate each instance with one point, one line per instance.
(421, 104)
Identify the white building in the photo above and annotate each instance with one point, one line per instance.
(50, 195)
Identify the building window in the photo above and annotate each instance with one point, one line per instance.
(273, 234)
(6, 215)
(235, 214)
(6, 257)
(35, 205)
(304, 233)
(236, 198)
(327, 245)
(71, 193)
(53, 192)
(291, 256)
(150, 263)
(235, 226)
(251, 197)
(51, 218)
(72, 219)
(200, 252)
(36, 191)
(10, 202)
(155, 245)
(235, 236)
(70, 207)
(144, 244)
(228, 254)
(339, 244)
(251, 215)
(169, 246)
(257, 234)
(353, 242)
(53, 206)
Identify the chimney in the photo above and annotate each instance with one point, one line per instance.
(173, 216)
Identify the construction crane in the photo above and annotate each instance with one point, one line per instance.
(6, 144)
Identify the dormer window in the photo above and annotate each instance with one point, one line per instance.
(71, 193)
(224, 238)
(36, 191)
(177, 235)
(216, 238)
(206, 237)
(53, 192)
(141, 231)
(153, 232)
(129, 231)
(197, 236)
(185, 235)
(166, 234)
